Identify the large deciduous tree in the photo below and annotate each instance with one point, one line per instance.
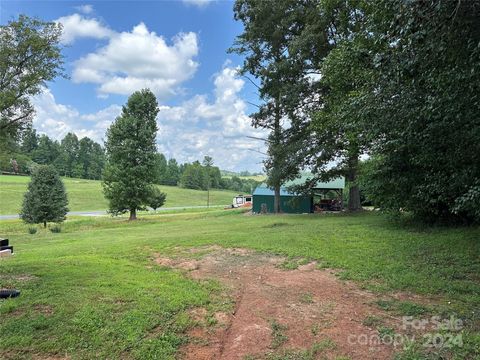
(340, 127)
(333, 53)
(268, 28)
(130, 151)
(45, 199)
(427, 122)
(30, 56)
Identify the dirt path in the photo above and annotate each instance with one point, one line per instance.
(303, 312)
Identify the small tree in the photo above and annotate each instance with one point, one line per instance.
(46, 199)
(157, 198)
(131, 150)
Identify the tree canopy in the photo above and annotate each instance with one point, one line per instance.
(131, 150)
(394, 81)
(30, 55)
(265, 43)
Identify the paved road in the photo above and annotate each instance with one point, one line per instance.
(104, 213)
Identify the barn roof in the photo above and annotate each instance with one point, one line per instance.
(338, 183)
(263, 189)
(334, 184)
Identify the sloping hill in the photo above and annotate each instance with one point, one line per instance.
(87, 195)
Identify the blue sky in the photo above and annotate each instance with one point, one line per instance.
(176, 48)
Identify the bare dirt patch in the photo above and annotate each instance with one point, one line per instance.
(43, 309)
(7, 278)
(53, 357)
(280, 310)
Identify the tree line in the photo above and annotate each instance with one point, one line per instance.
(85, 158)
(391, 82)
(71, 157)
(203, 176)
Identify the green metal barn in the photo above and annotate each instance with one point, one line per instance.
(290, 203)
(294, 203)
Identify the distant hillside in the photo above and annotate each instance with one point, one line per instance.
(87, 195)
(241, 174)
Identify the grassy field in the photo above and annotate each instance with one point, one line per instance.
(259, 178)
(87, 195)
(91, 292)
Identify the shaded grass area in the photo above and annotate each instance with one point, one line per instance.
(91, 291)
(87, 195)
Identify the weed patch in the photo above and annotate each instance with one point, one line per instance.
(372, 321)
(278, 335)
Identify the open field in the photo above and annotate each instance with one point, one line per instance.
(87, 195)
(109, 288)
(259, 178)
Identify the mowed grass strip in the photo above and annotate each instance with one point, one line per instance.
(91, 291)
(87, 195)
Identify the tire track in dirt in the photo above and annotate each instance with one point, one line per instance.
(309, 306)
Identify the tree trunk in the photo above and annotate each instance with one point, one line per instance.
(354, 199)
(44, 224)
(133, 214)
(354, 192)
(276, 200)
(276, 161)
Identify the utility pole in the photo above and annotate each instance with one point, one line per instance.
(208, 162)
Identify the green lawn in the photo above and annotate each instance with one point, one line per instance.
(89, 292)
(87, 195)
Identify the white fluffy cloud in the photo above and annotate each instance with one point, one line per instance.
(199, 3)
(131, 60)
(85, 9)
(76, 26)
(56, 120)
(140, 59)
(218, 128)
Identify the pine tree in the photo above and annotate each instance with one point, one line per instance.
(46, 199)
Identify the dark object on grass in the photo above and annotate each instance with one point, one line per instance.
(56, 229)
(9, 293)
(3, 242)
(6, 248)
(263, 208)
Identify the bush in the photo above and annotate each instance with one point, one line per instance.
(45, 199)
(32, 230)
(55, 229)
(157, 198)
